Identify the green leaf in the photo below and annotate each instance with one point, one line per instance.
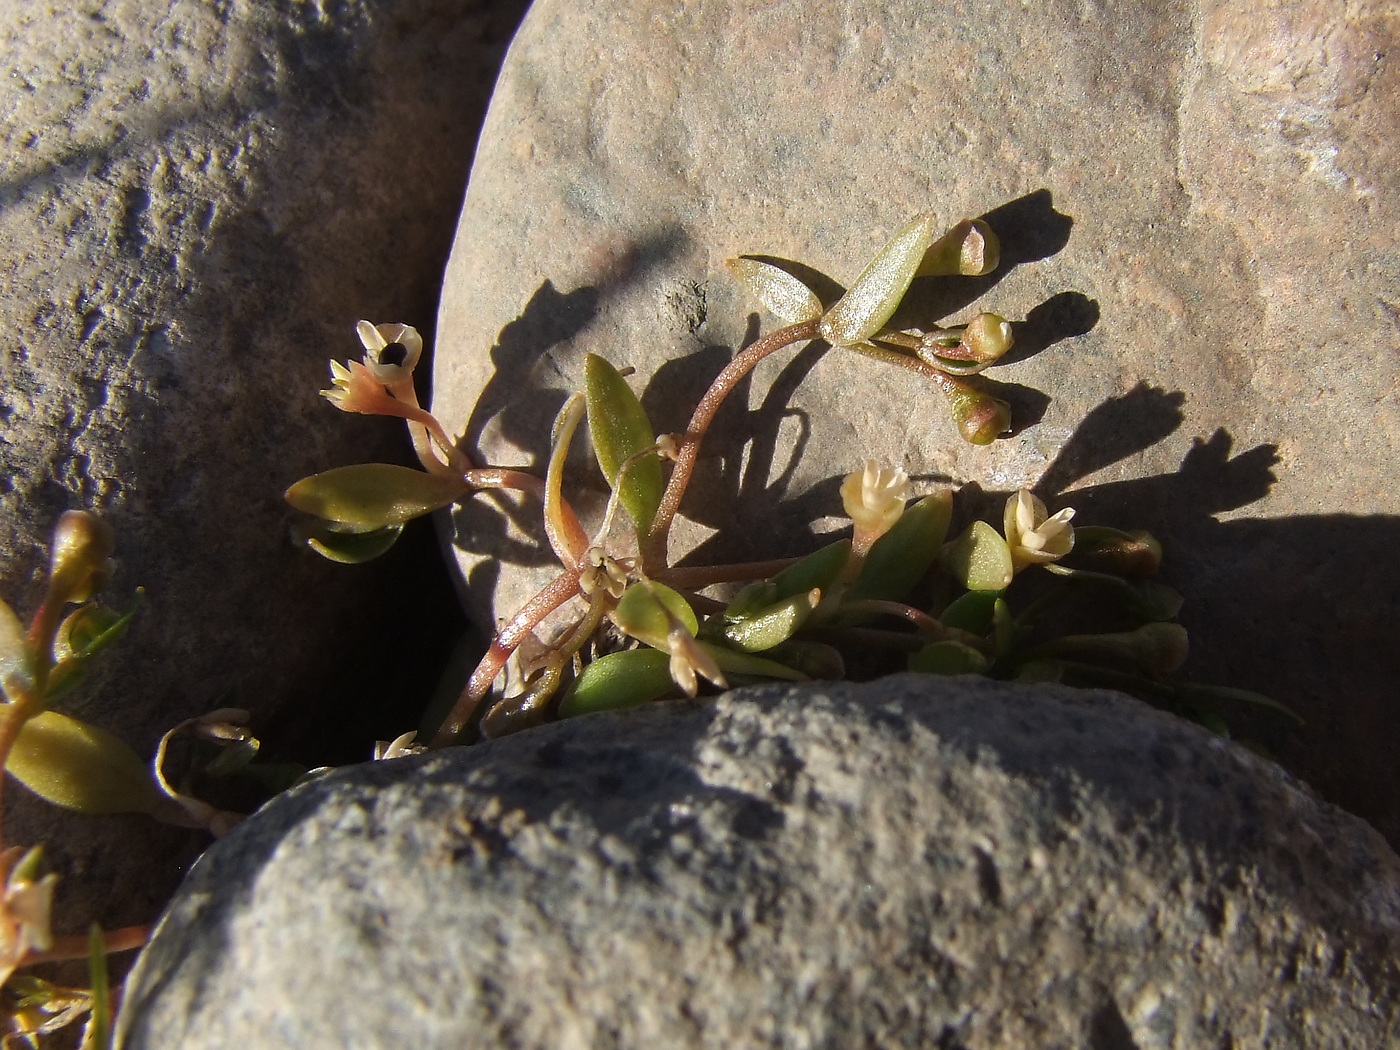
(1196, 693)
(619, 680)
(732, 661)
(99, 1030)
(819, 569)
(971, 612)
(84, 634)
(900, 558)
(348, 548)
(370, 496)
(79, 766)
(16, 661)
(621, 430)
(872, 300)
(773, 625)
(814, 659)
(979, 559)
(948, 658)
(646, 611)
(784, 295)
(751, 598)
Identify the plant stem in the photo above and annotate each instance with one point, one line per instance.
(569, 542)
(654, 547)
(560, 589)
(75, 946)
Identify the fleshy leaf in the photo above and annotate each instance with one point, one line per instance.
(970, 249)
(1209, 693)
(81, 636)
(16, 663)
(814, 659)
(903, 556)
(619, 680)
(819, 569)
(948, 657)
(773, 625)
(872, 300)
(751, 598)
(971, 612)
(732, 661)
(350, 548)
(370, 496)
(646, 611)
(979, 559)
(621, 430)
(79, 766)
(784, 295)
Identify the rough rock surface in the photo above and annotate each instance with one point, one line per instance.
(916, 863)
(197, 202)
(1211, 191)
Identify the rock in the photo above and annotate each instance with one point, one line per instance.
(198, 202)
(920, 862)
(1198, 207)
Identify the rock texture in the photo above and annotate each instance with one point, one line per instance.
(197, 202)
(917, 863)
(1198, 205)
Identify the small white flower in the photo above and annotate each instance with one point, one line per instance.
(399, 747)
(1034, 537)
(874, 499)
(393, 339)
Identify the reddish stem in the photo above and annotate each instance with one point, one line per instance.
(654, 549)
(570, 546)
(75, 946)
(560, 589)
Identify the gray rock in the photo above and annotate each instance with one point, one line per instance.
(197, 202)
(919, 862)
(1212, 192)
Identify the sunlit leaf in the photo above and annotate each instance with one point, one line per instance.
(619, 680)
(979, 559)
(775, 624)
(872, 300)
(819, 569)
(751, 598)
(784, 295)
(81, 636)
(900, 558)
(621, 430)
(79, 766)
(369, 496)
(646, 611)
(948, 658)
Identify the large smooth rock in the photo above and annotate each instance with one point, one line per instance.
(197, 202)
(1198, 205)
(920, 862)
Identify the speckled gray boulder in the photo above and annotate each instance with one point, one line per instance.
(915, 863)
(1199, 205)
(197, 202)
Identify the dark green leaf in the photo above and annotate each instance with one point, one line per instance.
(619, 680)
(900, 558)
(370, 496)
(349, 548)
(948, 658)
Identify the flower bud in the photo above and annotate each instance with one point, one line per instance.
(1136, 553)
(79, 563)
(981, 418)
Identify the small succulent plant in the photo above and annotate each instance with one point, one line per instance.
(620, 625)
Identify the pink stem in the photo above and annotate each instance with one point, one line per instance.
(654, 549)
(560, 589)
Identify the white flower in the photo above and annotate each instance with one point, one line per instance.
(399, 747)
(874, 499)
(378, 339)
(25, 905)
(1034, 537)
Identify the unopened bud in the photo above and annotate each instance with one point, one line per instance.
(981, 418)
(1136, 553)
(78, 559)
